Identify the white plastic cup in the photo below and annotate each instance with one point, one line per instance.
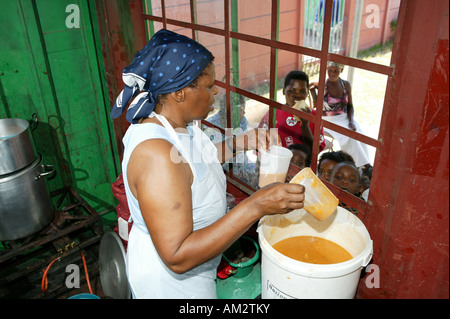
(274, 165)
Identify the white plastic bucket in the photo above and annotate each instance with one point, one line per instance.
(283, 277)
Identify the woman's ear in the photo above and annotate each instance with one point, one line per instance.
(179, 95)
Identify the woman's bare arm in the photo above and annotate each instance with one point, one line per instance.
(163, 189)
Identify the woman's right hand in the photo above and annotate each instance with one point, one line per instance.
(278, 198)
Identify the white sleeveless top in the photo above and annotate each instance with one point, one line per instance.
(148, 276)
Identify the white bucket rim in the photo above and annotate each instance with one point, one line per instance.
(316, 270)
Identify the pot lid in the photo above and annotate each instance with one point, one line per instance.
(112, 267)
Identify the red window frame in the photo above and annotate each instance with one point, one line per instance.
(323, 54)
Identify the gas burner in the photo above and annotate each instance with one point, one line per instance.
(76, 226)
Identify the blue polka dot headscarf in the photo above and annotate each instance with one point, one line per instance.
(167, 63)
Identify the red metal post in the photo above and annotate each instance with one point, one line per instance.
(409, 219)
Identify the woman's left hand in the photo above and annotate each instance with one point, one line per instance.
(257, 138)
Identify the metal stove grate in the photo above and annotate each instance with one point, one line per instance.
(76, 226)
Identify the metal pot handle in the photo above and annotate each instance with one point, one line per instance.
(33, 121)
(47, 173)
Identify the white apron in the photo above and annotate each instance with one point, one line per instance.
(148, 276)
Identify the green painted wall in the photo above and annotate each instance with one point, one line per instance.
(57, 72)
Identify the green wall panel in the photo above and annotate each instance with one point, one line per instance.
(55, 71)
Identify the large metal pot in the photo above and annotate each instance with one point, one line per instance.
(25, 203)
(17, 148)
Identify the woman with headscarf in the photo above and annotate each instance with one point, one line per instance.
(174, 183)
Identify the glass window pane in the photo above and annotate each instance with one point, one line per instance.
(244, 119)
(358, 27)
(216, 44)
(239, 115)
(153, 7)
(210, 13)
(178, 10)
(217, 117)
(153, 27)
(245, 167)
(291, 61)
(365, 94)
(250, 66)
(239, 119)
(251, 17)
(311, 24)
(290, 22)
(368, 92)
(255, 111)
(180, 30)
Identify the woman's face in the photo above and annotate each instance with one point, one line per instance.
(346, 177)
(296, 90)
(333, 73)
(201, 98)
(324, 171)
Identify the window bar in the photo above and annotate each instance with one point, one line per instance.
(193, 5)
(228, 69)
(322, 74)
(273, 60)
(235, 64)
(164, 18)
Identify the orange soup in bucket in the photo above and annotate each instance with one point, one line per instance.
(311, 249)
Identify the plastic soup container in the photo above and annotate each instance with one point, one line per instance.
(320, 202)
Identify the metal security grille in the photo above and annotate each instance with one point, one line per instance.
(321, 42)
